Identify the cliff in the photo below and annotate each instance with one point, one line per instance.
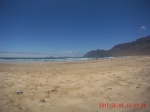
(138, 47)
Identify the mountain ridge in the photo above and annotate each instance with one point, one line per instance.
(140, 46)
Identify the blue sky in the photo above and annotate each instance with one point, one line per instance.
(70, 27)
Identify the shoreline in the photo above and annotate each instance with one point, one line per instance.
(62, 61)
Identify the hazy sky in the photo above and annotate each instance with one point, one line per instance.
(70, 27)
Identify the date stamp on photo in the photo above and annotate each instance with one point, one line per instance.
(122, 105)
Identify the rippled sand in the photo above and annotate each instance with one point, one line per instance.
(76, 86)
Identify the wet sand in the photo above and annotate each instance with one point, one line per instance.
(76, 86)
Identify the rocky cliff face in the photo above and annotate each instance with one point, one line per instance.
(138, 47)
(97, 53)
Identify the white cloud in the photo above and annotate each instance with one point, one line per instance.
(22, 54)
(143, 28)
(72, 53)
(68, 52)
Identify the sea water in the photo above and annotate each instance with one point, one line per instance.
(59, 59)
(53, 59)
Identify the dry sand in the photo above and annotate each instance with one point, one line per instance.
(76, 86)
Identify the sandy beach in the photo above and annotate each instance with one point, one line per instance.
(108, 85)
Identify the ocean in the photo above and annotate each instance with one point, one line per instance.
(49, 59)
(52, 59)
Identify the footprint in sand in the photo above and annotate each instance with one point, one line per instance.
(107, 97)
(19, 92)
(109, 88)
(43, 101)
(118, 77)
